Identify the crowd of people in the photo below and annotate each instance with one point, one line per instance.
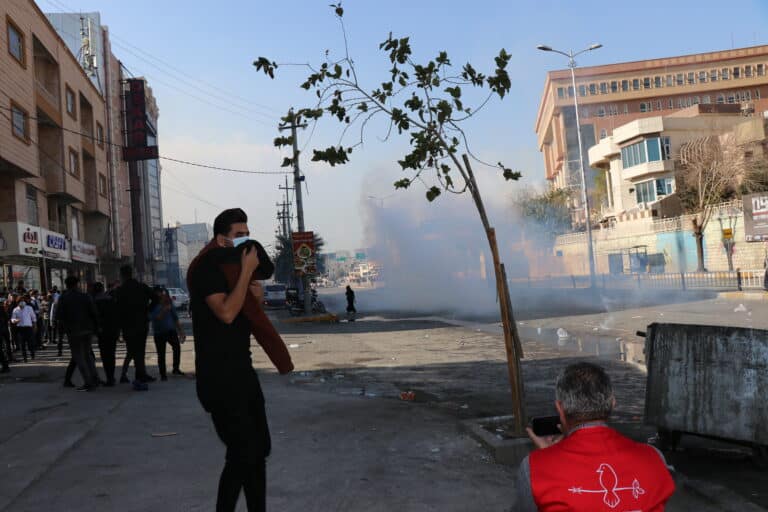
(90, 315)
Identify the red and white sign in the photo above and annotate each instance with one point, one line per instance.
(304, 259)
(19, 239)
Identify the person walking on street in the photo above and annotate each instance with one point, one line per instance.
(227, 385)
(351, 311)
(79, 318)
(133, 299)
(25, 322)
(167, 331)
(109, 321)
(5, 334)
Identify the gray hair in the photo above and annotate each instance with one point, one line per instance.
(585, 392)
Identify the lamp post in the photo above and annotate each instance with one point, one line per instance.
(584, 197)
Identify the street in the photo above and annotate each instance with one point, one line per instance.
(343, 439)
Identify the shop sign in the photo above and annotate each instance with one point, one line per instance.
(55, 246)
(84, 252)
(19, 239)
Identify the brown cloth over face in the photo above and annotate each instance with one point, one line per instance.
(261, 327)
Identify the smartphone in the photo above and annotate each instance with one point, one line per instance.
(546, 425)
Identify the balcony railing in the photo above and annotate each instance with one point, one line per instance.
(51, 96)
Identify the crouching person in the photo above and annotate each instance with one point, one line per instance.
(591, 467)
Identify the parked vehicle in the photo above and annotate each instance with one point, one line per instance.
(275, 295)
(179, 297)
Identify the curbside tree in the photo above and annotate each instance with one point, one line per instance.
(425, 102)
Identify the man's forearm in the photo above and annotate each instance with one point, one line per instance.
(235, 300)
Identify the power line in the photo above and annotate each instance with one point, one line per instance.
(161, 157)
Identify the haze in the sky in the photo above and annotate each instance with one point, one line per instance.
(215, 108)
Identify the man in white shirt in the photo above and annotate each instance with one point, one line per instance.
(25, 320)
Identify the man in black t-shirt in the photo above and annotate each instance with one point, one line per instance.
(227, 384)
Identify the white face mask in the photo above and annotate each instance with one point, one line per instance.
(239, 240)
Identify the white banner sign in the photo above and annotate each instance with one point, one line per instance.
(54, 245)
(19, 239)
(84, 252)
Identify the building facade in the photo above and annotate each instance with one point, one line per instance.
(54, 186)
(176, 257)
(612, 95)
(198, 235)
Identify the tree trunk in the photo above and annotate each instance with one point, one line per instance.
(512, 342)
(699, 235)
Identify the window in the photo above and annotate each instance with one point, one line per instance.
(680, 79)
(653, 147)
(706, 100)
(75, 222)
(725, 74)
(736, 73)
(713, 75)
(720, 99)
(592, 89)
(19, 122)
(665, 186)
(71, 104)
(666, 148)
(16, 46)
(32, 212)
(625, 85)
(647, 82)
(670, 81)
(102, 185)
(657, 82)
(748, 72)
(99, 134)
(671, 104)
(626, 108)
(761, 70)
(746, 96)
(696, 100)
(614, 86)
(731, 98)
(582, 90)
(659, 105)
(645, 107)
(691, 78)
(603, 87)
(757, 94)
(613, 110)
(74, 163)
(603, 133)
(570, 91)
(635, 84)
(702, 77)
(560, 92)
(645, 192)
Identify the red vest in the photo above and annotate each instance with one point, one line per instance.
(597, 469)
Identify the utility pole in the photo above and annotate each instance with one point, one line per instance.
(297, 181)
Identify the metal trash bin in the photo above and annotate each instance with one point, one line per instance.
(709, 381)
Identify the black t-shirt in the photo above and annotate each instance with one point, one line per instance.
(222, 351)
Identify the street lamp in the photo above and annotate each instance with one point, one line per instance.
(584, 197)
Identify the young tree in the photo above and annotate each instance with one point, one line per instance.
(710, 171)
(427, 102)
(550, 210)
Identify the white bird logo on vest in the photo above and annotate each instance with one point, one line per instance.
(609, 487)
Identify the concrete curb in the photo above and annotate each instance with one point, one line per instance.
(509, 452)
(330, 318)
(752, 295)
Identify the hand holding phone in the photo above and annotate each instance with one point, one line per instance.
(545, 431)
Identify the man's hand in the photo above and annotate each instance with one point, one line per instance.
(543, 441)
(249, 260)
(257, 291)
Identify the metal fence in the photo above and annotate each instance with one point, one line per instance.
(735, 280)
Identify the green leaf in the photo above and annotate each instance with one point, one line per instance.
(283, 141)
(404, 183)
(509, 174)
(433, 194)
(269, 67)
(332, 155)
(287, 162)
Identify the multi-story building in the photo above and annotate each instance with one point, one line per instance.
(54, 186)
(639, 159)
(611, 96)
(136, 200)
(172, 272)
(198, 235)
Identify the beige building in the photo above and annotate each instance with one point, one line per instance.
(639, 159)
(53, 162)
(611, 96)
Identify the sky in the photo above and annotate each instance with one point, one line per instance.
(216, 109)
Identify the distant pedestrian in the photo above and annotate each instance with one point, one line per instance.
(133, 299)
(79, 318)
(351, 311)
(5, 333)
(25, 322)
(167, 331)
(109, 321)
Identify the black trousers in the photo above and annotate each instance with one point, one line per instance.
(5, 342)
(136, 345)
(26, 340)
(242, 427)
(107, 349)
(161, 340)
